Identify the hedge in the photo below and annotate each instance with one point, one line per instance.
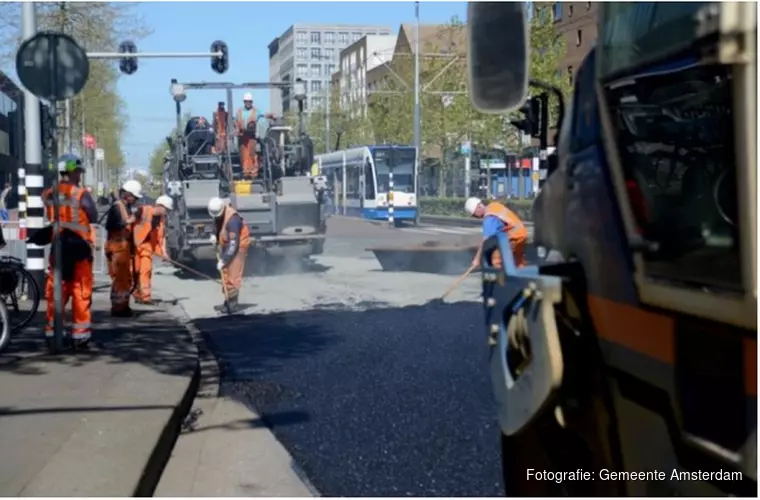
(455, 207)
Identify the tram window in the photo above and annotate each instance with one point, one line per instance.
(353, 183)
(369, 182)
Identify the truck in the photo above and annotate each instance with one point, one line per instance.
(627, 363)
(283, 207)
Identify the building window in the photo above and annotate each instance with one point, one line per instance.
(372, 33)
(316, 86)
(557, 11)
(302, 71)
(355, 37)
(317, 102)
(301, 37)
(343, 38)
(316, 53)
(578, 38)
(316, 37)
(316, 70)
(329, 37)
(570, 74)
(329, 53)
(570, 10)
(301, 53)
(330, 69)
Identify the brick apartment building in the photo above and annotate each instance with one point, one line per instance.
(576, 21)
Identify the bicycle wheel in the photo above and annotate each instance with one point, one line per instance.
(5, 327)
(20, 294)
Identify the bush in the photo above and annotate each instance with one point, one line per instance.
(454, 207)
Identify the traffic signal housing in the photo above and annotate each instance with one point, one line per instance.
(220, 64)
(128, 65)
(531, 110)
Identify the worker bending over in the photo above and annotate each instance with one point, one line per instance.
(148, 234)
(233, 239)
(120, 247)
(497, 218)
(76, 212)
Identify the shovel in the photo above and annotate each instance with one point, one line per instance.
(455, 285)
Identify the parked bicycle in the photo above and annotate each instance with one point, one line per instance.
(19, 293)
(5, 327)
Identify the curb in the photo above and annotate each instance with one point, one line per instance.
(162, 452)
(209, 385)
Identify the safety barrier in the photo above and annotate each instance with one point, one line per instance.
(16, 246)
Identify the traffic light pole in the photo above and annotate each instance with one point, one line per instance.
(543, 140)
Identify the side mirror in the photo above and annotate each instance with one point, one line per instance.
(498, 48)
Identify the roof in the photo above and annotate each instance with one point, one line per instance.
(439, 38)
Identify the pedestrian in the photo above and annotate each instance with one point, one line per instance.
(76, 214)
(120, 247)
(497, 218)
(148, 234)
(232, 240)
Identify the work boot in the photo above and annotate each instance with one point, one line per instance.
(81, 343)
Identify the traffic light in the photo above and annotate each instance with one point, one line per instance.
(530, 124)
(221, 63)
(128, 65)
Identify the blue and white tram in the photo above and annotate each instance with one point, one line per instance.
(359, 180)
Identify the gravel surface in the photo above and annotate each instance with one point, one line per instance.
(375, 387)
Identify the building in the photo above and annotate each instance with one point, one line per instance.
(576, 22)
(357, 61)
(311, 52)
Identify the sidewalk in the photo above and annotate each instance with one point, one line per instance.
(100, 422)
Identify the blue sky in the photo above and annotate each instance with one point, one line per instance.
(247, 28)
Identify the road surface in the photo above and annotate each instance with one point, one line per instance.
(373, 387)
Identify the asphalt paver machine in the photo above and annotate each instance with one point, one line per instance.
(282, 206)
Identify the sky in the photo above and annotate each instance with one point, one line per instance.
(247, 28)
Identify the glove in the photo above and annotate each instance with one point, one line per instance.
(220, 264)
(212, 238)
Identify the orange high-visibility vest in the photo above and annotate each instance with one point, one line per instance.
(245, 237)
(513, 226)
(251, 119)
(71, 215)
(143, 226)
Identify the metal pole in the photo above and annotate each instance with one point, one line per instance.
(543, 140)
(152, 55)
(30, 174)
(417, 116)
(327, 117)
(68, 126)
(391, 221)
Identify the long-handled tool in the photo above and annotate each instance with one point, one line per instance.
(224, 287)
(459, 281)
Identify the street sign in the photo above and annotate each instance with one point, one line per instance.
(465, 148)
(52, 66)
(100, 154)
(88, 141)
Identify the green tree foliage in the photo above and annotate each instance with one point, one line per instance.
(156, 161)
(548, 48)
(97, 26)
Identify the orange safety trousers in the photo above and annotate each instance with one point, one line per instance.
(120, 271)
(143, 266)
(233, 274)
(248, 158)
(79, 290)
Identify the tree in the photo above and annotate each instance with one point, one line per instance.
(156, 160)
(96, 26)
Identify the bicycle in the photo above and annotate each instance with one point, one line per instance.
(19, 294)
(5, 328)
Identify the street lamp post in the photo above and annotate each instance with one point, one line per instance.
(417, 117)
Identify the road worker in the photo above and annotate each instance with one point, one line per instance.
(498, 218)
(148, 235)
(220, 129)
(76, 212)
(232, 239)
(245, 127)
(120, 247)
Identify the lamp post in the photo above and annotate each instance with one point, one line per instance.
(417, 116)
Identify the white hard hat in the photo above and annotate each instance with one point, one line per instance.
(165, 201)
(471, 204)
(133, 187)
(215, 206)
(247, 96)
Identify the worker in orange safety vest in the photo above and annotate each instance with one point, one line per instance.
(148, 235)
(497, 218)
(245, 127)
(76, 212)
(120, 247)
(233, 240)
